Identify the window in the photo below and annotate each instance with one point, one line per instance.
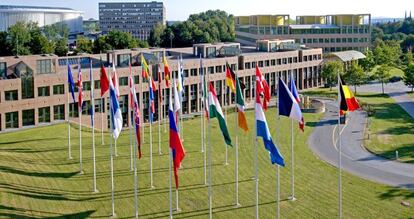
(44, 114)
(247, 65)
(267, 63)
(11, 95)
(58, 89)
(123, 81)
(193, 72)
(86, 86)
(136, 79)
(27, 84)
(3, 70)
(273, 62)
(44, 66)
(99, 105)
(218, 69)
(123, 60)
(97, 84)
(59, 112)
(260, 64)
(73, 110)
(12, 120)
(210, 70)
(211, 52)
(28, 117)
(43, 91)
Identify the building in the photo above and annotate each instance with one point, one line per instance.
(137, 18)
(332, 33)
(43, 16)
(34, 89)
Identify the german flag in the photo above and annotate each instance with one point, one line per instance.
(230, 78)
(348, 100)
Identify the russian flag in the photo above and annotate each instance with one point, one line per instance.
(262, 130)
(116, 115)
(176, 145)
(288, 105)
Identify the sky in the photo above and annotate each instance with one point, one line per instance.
(181, 9)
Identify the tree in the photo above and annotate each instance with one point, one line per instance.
(121, 40)
(369, 62)
(155, 38)
(383, 75)
(387, 53)
(39, 44)
(101, 45)
(83, 45)
(61, 48)
(408, 77)
(330, 71)
(355, 75)
(4, 44)
(19, 38)
(408, 44)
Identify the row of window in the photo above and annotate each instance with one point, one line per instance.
(335, 40)
(28, 116)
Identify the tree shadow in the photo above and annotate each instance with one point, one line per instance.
(322, 123)
(37, 174)
(393, 193)
(13, 212)
(404, 151)
(27, 140)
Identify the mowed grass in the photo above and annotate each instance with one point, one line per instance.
(37, 179)
(391, 128)
(393, 71)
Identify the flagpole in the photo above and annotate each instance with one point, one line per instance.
(203, 110)
(256, 164)
(95, 190)
(171, 210)
(142, 110)
(292, 197)
(80, 138)
(176, 201)
(210, 191)
(278, 167)
(130, 118)
(150, 135)
(102, 114)
(112, 166)
(68, 114)
(339, 151)
(135, 171)
(225, 110)
(236, 166)
(159, 113)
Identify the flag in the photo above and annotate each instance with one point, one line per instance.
(151, 107)
(347, 98)
(262, 88)
(80, 88)
(145, 69)
(240, 107)
(115, 81)
(176, 145)
(215, 111)
(116, 115)
(230, 78)
(71, 83)
(159, 85)
(91, 108)
(104, 80)
(167, 71)
(203, 87)
(262, 130)
(180, 79)
(135, 107)
(288, 105)
(293, 90)
(177, 103)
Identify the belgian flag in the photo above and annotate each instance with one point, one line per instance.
(348, 100)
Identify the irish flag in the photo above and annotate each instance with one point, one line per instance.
(240, 107)
(216, 112)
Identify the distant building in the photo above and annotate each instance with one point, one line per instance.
(137, 18)
(43, 16)
(332, 33)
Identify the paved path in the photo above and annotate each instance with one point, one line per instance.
(355, 159)
(397, 91)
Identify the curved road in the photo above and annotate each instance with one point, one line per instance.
(355, 159)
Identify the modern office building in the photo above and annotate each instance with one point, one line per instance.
(43, 16)
(34, 89)
(137, 18)
(332, 33)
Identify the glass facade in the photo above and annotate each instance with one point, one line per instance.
(12, 120)
(28, 117)
(3, 70)
(43, 91)
(58, 89)
(44, 114)
(11, 95)
(59, 112)
(44, 66)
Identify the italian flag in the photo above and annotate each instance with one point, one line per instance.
(216, 112)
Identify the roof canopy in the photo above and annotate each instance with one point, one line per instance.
(349, 55)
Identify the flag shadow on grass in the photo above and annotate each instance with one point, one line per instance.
(28, 140)
(322, 123)
(398, 193)
(12, 212)
(5, 169)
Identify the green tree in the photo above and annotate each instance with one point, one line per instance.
(369, 62)
(383, 75)
(155, 38)
(408, 77)
(101, 45)
(408, 44)
(19, 39)
(121, 40)
(4, 44)
(330, 72)
(83, 45)
(39, 44)
(355, 75)
(387, 53)
(61, 48)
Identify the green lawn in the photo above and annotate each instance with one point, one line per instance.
(37, 180)
(391, 128)
(321, 92)
(393, 71)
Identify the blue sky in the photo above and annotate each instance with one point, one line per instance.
(181, 9)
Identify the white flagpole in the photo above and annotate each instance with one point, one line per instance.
(256, 163)
(278, 168)
(176, 201)
(236, 166)
(225, 110)
(159, 115)
(68, 114)
(80, 139)
(210, 191)
(112, 167)
(102, 115)
(203, 110)
(130, 119)
(135, 173)
(339, 151)
(150, 135)
(142, 110)
(292, 197)
(95, 190)
(170, 169)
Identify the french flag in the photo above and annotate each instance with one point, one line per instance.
(176, 145)
(262, 130)
(288, 104)
(116, 115)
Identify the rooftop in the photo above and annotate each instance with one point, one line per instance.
(312, 26)
(349, 55)
(4, 8)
